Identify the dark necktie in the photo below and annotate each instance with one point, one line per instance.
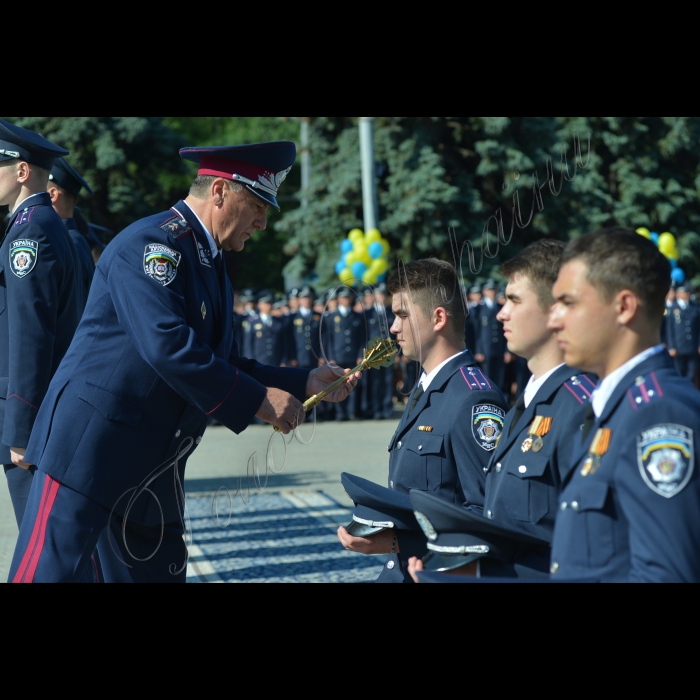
(417, 396)
(517, 413)
(589, 421)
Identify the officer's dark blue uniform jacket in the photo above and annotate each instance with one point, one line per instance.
(444, 446)
(87, 264)
(39, 313)
(153, 360)
(637, 519)
(347, 334)
(266, 342)
(305, 339)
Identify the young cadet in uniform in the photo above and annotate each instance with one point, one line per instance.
(453, 421)
(490, 344)
(683, 326)
(630, 511)
(347, 338)
(381, 381)
(305, 329)
(266, 339)
(533, 458)
(153, 360)
(65, 186)
(39, 304)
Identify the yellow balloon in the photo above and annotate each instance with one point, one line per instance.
(345, 276)
(366, 258)
(667, 243)
(373, 236)
(379, 267)
(356, 235)
(351, 258)
(386, 245)
(370, 277)
(645, 232)
(674, 255)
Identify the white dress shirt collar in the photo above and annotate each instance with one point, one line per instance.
(534, 387)
(607, 388)
(427, 379)
(210, 238)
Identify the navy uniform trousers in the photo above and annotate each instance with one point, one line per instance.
(630, 510)
(525, 479)
(443, 446)
(40, 309)
(154, 359)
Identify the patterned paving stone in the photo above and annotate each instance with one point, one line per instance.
(288, 537)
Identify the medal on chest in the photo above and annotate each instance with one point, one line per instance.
(539, 429)
(599, 448)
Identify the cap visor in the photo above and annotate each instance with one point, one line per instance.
(444, 562)
(360, 530)
(267, 198)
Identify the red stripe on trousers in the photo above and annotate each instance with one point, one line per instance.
(30, 563)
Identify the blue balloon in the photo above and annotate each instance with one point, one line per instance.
(674, 264)
(678, 276)
(347, 246)
(359, 269)
(376, 251)
(339, 267)
(655, 237)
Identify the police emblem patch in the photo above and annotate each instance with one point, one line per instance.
(23, 257)
(487, 426)
(666, 458)
(161, 263)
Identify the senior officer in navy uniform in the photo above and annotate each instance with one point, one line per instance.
(347, 340)
(153, 360)
(65, 186)
(39, 296)
(452, 423)
(532, 461)
(267, 334)
(305, 331)
(630, 511)
(683, 339)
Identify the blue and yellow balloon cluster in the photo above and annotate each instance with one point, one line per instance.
(667, 244)
(364, 257)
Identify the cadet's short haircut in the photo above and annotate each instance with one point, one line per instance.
(201, 187)
(620, 259)
(432, 284)
(73, 198)
(539, 262)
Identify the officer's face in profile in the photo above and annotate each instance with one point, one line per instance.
(524, 322)
(586, 326)
(237, 217)
(414, 332)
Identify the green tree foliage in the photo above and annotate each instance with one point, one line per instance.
(440, 172)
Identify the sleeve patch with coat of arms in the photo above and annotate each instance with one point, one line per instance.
(23, 257)
(666, 455)
(487, 426)
(161, 263)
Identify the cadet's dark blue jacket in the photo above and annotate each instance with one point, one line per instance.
(523, 488)
(304, 339)
(637, 519)
(490, 340)
(87, 263)
(39, 313)
(460, 406)
(266, 343)
(153, 359)
(443, 446)
(347, 338)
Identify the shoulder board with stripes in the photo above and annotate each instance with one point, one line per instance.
(476, 380)
(581, 388)
(178, 228)
(645, 390)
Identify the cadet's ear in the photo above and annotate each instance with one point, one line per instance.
(54, 194)
(24, 172)
(627, 306)
(440, 319)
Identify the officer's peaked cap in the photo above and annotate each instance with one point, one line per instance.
(261, 168)
(345, 293)
(67, 177)
(377, 508)
(266, 297)
(21, 144)
(307, 292)
(457, 537)
(490, 285)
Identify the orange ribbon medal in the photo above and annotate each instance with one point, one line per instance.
(539, 429)
(599, 448)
